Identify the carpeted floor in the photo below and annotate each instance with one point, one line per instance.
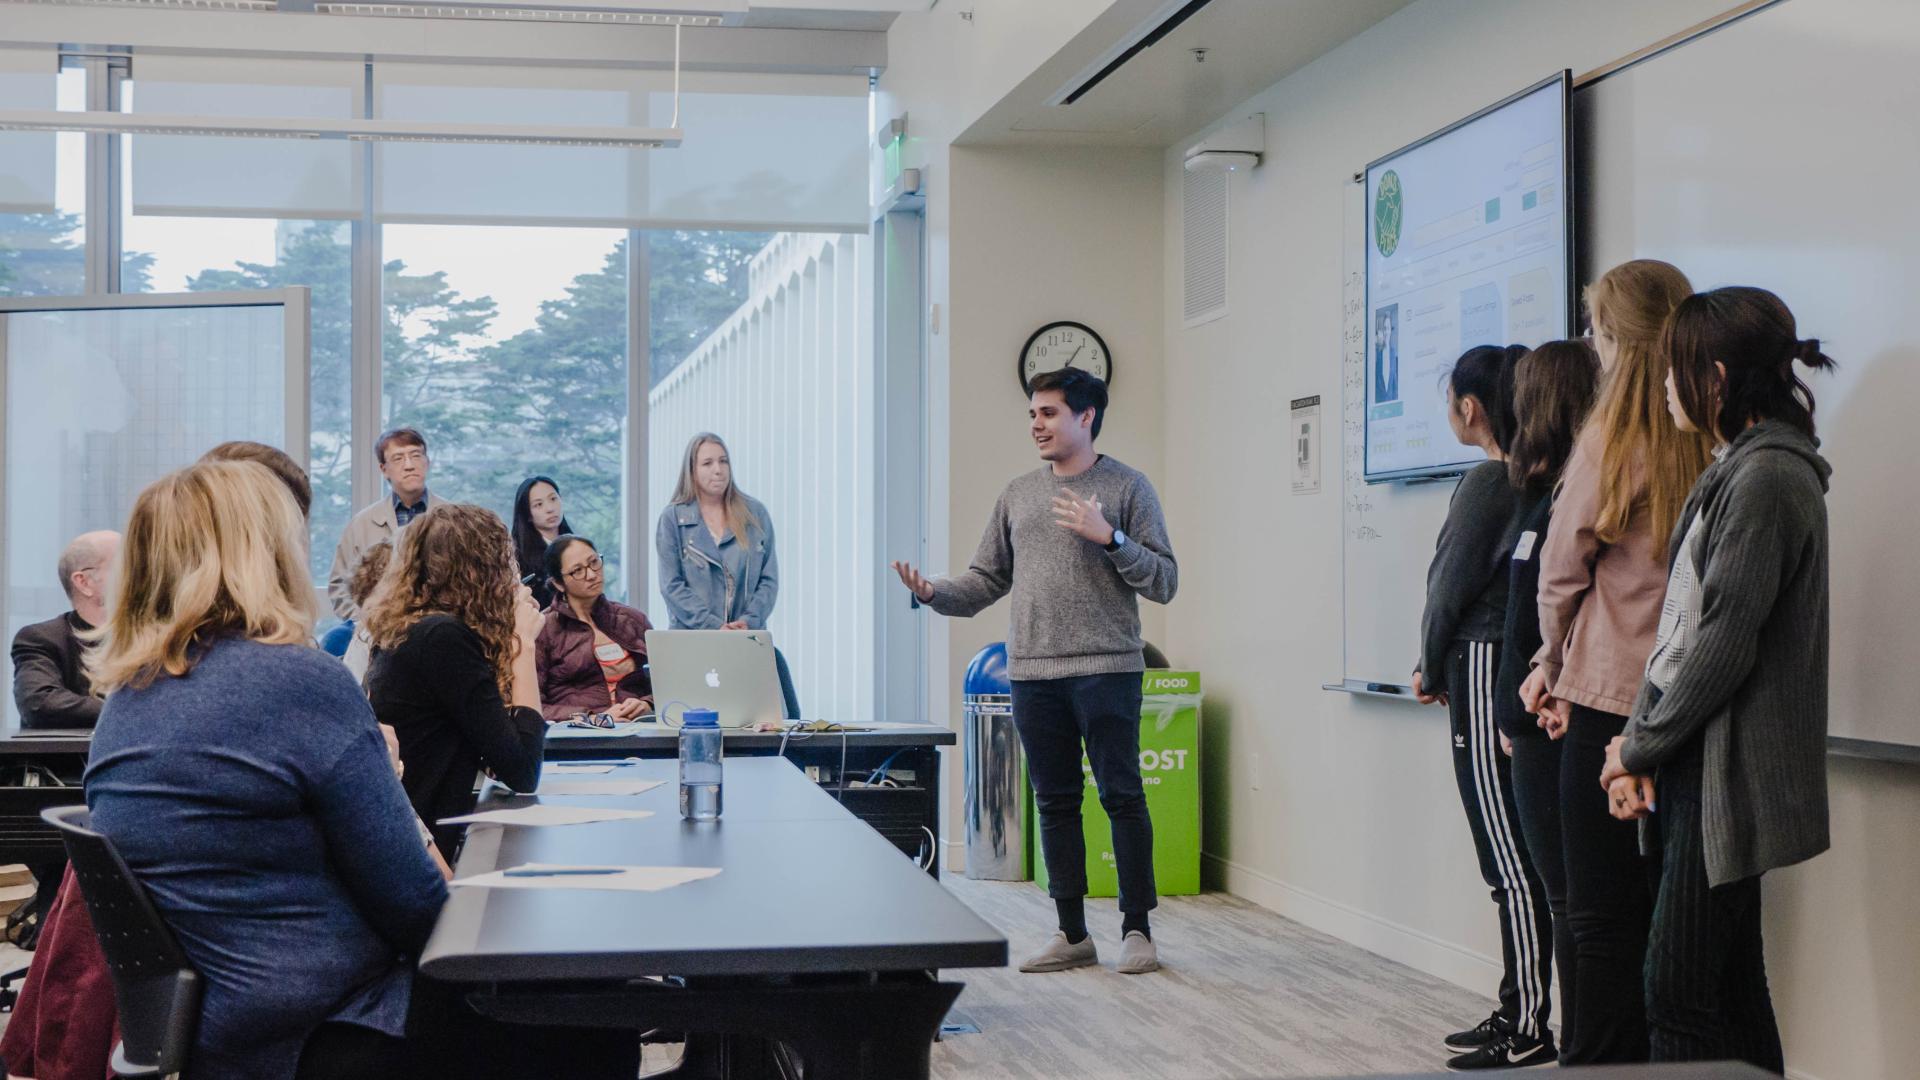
(1244, 993)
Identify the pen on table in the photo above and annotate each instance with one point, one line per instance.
(581, 871)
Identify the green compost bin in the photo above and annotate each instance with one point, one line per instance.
(1170, 772)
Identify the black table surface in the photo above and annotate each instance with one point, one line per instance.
(805, 888)
(47, 741)
(657, 737)
(1713, 1070)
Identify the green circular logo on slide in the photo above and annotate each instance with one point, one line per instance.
(1386, 214)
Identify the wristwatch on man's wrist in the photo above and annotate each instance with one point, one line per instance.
(1119, 541)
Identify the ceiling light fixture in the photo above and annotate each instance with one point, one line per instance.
(118, 123)
(603, 12)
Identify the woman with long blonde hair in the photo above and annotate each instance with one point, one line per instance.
(240, 773)
(715, 546)
(1602, 576)
(453, 668)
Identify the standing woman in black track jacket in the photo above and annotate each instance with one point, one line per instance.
(1460, 652)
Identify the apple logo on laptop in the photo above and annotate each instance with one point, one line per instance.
(713, 678)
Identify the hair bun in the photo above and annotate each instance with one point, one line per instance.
(1808, 353)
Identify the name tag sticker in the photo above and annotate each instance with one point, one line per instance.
(1524, 549)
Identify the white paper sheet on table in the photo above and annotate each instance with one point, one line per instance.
(599, 787)
(574, 770)
(629, 879)
(546, 814)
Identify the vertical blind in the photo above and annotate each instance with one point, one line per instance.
(219, 176)
(27, 81)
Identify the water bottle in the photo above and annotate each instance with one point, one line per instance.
(700, 765)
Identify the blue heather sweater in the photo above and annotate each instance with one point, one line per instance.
(254, 799)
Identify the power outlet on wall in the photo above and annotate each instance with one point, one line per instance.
(1259, 767)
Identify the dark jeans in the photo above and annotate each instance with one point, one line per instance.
(1054, 717)
(1707, 996)
(1536, 795)
(1608, 904)
(1485, 778)
(445, 1037)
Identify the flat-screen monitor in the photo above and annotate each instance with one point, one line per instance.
(1469, 242)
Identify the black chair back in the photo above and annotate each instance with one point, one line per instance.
(157, 990)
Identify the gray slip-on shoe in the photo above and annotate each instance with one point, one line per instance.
(1137, 954)
(1059, 954)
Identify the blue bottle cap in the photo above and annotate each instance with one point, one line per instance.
(700, 718)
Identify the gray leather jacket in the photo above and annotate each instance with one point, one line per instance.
(700, 591)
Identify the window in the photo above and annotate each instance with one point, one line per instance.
(165, 252)
(43, 183)
(507, 347)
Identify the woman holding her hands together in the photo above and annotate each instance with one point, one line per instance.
(453, 671)
(1730, 724)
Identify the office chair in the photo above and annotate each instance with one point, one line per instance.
(156, 989)
(787, 696)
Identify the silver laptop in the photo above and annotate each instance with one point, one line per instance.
(728, 671)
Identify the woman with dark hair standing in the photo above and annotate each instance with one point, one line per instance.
(453, 672)
(1553, 389)
(592, 651)
(1460, 651)
(538, 520)
(1730, 726)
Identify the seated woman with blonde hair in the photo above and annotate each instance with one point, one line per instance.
(241, 775)
(243, 778)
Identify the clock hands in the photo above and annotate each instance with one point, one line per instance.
(1076, 355)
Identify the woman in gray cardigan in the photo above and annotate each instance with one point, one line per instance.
(1730, 726)
(715, 546)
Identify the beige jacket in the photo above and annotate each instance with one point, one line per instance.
(368, 527)
(1599, 602)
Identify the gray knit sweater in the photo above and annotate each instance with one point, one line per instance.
(1074, 606)
(1753, 684)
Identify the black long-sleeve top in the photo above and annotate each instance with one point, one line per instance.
(1467, 581)
(437, 690)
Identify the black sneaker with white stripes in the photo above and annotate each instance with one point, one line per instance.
(1509, 1051)
(1491, 1030)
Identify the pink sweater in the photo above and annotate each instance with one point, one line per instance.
(1599, 602)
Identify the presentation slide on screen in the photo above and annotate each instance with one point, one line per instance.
(1466, 245)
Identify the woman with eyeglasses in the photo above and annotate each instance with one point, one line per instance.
(592, 651)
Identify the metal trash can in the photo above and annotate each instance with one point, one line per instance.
(995, 772)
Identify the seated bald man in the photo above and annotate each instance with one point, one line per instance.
(50, 685)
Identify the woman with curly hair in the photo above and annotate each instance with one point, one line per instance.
(453, 670)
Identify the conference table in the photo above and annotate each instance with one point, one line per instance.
(906, 811)
(812, 952)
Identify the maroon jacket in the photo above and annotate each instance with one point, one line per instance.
(570, 676)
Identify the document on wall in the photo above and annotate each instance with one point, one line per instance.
(607, 878)
(1303, 430)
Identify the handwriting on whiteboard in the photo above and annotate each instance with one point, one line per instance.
(1361, 527)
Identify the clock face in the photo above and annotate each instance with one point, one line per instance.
(1065, 344)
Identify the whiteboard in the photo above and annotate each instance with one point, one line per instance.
(1779, 151)
(1776, 151)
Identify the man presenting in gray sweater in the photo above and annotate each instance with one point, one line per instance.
(1075, 541)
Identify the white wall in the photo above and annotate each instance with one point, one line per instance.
(1354, 825)
(994, 281)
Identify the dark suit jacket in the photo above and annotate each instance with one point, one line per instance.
(49, 685)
